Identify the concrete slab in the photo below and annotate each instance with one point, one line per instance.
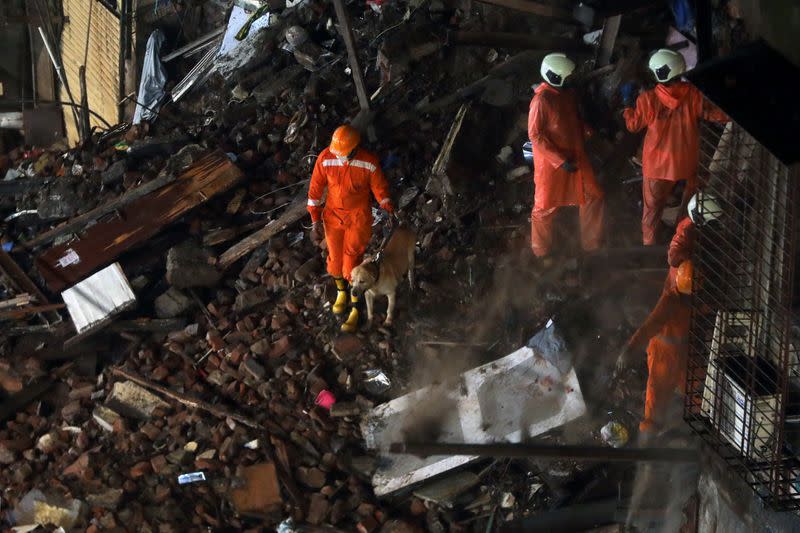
(519, 395)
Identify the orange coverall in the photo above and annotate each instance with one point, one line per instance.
(666, 333)
(671, 145)
(681, 246)
(557, 135)
(347, 214)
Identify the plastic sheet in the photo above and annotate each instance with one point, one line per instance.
(154, 78)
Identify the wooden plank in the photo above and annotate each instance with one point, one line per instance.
(293, 213)
(17, 301)
(25, 311)
(607, 40)
(186, 400)
(149, 325)
(535, 8)
(23, 283)
(79, 222)
(346, 30)
(64, 265)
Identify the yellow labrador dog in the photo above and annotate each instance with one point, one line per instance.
(380, 277)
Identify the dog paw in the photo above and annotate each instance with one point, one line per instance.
(387, 323)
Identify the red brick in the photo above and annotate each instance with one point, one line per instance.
(261, 347)
(347, 345)
(281, 347)
(151, 430)
(158, 463)
(279, 321)
(367, 525)
(215, 342)
(160, 373)
(79, 468)
(140, 469)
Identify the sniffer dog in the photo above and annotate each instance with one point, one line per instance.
(380, 276)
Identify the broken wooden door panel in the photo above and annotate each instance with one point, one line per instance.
(64, 265)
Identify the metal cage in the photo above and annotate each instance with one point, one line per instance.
(743, 361)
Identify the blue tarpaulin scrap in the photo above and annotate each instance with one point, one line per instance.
(683, 11)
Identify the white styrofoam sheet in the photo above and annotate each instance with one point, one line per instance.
(98, 297)
(495, 402)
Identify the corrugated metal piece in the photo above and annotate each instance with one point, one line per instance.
(93, 301)
(67, 264)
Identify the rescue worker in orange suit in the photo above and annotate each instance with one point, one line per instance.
(670, 112)
(704, 209)
(665, 332)
(562, 173)
(350, 174)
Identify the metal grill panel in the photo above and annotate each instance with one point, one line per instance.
(743, 363)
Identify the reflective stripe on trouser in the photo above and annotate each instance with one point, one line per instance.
(592, 220)
(347, 235)
(666, 374)
(654, 197)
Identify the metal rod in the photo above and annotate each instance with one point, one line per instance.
(586, 453)
(124, 41)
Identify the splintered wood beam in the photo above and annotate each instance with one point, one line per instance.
(22, 283)
(79, 222)
(346, 30)
(185, 399)
(293, 213)
(607, 40)
(64, 265)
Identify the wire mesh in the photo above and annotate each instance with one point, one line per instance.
(743, 360)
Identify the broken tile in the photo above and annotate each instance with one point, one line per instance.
(260, 492)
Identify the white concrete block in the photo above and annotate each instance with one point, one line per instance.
(500, 401)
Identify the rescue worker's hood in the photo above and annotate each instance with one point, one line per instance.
(673, 94)
(542, 87)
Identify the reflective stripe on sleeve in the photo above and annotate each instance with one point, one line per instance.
(363, 164)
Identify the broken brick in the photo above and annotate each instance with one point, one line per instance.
(348, 345)
(281, 347)
(260, 492)
(318, 509)
(261, 347)
(140, 469)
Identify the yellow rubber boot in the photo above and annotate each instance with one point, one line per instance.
(351, 324)
(340, 305)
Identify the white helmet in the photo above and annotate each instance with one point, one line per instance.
(703, 207)
(556, 68)
(667, 64)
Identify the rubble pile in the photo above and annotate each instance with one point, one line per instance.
(228, 398)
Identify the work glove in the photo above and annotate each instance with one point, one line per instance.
(317, 232)
(569, 166)
(628, 93)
